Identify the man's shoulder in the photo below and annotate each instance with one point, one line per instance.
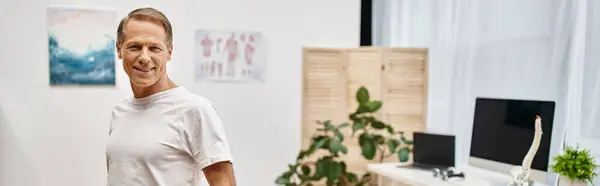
(185, 101)
(195, 101)
(122, 104)
(192, 106)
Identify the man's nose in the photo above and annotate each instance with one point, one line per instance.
(144, 56)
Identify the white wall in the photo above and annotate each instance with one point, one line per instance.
(57, 135)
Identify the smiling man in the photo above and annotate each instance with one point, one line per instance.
(164, 135)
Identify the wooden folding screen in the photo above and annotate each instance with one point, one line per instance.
(396, 76)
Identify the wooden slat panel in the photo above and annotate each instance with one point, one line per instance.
(324, 92)
(364, 69)
(396, 76)
(405, 89)
(324, 89)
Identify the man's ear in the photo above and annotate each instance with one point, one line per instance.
(170, 52)
(118, 46)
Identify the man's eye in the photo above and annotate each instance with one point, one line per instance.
(155, 48)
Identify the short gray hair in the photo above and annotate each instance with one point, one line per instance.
(149, 14)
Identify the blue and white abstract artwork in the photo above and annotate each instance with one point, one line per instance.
(81, 46)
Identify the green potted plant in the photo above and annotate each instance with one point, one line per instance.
(575, 166)
(328, 168)
(376, 139)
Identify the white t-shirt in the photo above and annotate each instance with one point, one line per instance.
(165, 139)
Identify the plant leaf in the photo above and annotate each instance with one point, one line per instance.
(336, 170)
(363, 138)
(351, 177)
(374, 106)
(328, 125)
(362, 108)
(367, 145)
(305, 170)
(403, 155)
(368, 150)
(338, 134)
(370, 119)
(357, 126)
(353, 116)
(393, 144)
(321, 169)
(292, 169)
(390, 129)
(406, 141)
(379, 139)
(378, 125)
(301, 155)
(319, 142)
(365, 178)
(362, 95)
(345, 124)
(282, 181)
(344, 150)
(335, 145)
(328, 168)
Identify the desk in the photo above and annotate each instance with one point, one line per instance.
(390, 174)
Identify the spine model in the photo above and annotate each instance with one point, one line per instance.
(534, 145)
(522, 176)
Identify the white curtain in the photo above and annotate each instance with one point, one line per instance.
(591, 74)
(590, 123)
(532, 49)
(401, 22)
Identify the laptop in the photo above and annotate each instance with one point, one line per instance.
(432, 151)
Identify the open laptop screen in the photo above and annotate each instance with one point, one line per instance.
(433, 149)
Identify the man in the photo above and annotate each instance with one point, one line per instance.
(163, 135)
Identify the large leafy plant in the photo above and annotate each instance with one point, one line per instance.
(575, 164)
(375, 138)
(328, 167)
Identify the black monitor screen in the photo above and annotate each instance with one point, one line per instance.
(503, 130)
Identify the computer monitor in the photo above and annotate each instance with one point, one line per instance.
(503, 131)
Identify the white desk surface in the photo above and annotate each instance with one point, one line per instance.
(411, 176)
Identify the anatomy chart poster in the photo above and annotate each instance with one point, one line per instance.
(224, 55)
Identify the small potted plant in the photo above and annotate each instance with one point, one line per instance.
(575, 166)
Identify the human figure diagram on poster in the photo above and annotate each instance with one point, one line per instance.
(229, 55)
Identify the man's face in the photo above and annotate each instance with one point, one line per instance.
(144, 52)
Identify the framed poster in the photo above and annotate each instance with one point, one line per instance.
(81, 45)
(225, 55)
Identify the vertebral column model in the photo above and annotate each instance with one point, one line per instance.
(521, 174)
